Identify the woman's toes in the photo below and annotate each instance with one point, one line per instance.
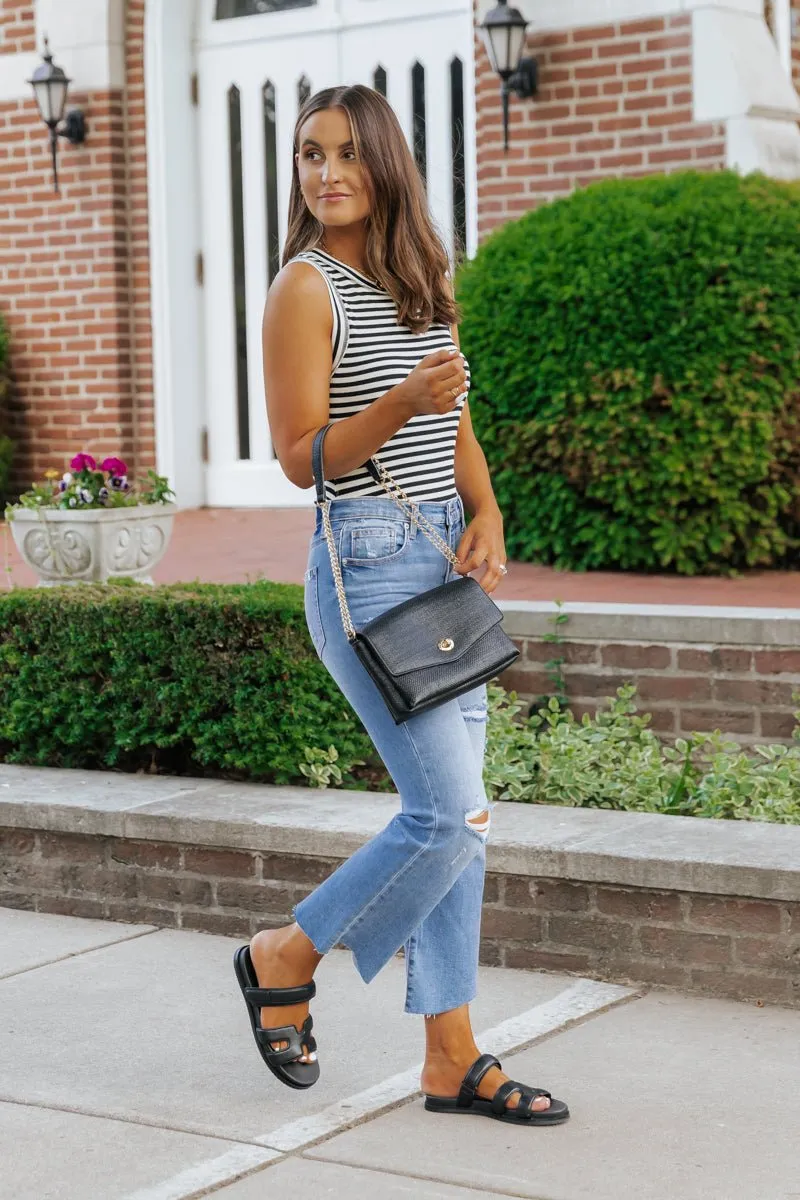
(540, 1103)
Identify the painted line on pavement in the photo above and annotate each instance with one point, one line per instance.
(197, 1181)
(585, 999)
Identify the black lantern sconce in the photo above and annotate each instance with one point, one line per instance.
(50, 87)
(504, 34)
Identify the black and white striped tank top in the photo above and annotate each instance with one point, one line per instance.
(371, 354)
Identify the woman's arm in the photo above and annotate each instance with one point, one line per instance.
(483, 538)
(296, 340)
(472, 472)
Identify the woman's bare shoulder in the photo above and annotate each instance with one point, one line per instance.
(299, 289)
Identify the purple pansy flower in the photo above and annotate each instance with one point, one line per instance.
(114, 465)
(118, 482)
(83, 462)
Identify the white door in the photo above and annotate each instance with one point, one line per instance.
(256, 59)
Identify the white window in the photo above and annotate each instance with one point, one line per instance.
(250, 8)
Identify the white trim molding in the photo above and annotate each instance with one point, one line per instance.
(174, 230)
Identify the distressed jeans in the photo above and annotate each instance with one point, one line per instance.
(419, 883)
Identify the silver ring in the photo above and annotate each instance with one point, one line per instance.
(503, 569)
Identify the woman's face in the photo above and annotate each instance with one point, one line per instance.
(331, 177)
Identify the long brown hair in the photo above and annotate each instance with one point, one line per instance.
(404, 253)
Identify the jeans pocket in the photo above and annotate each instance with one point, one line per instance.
(373, 543)
(312, 609)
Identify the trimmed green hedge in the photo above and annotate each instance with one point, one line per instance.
(635, 351)
(221, 680)
(201, 679)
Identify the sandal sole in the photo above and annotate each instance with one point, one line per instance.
(246, 977)
(445, 1105)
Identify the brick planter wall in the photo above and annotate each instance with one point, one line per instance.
(746, 692)
(743, 949)
(614, 99)
(692, 674)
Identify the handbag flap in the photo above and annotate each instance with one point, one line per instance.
(407, 637)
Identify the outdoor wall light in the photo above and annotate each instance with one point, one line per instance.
(504, 35)
(50, 86)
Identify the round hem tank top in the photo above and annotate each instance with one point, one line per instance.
(372, 353)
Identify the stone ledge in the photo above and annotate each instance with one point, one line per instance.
(658, 623)
(687, 854)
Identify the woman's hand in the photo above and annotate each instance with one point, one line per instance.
(435, 384)
(483, 542)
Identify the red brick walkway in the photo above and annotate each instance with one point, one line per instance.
(236, 545)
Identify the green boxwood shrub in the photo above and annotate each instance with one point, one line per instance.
(201, 679)
(635, 350)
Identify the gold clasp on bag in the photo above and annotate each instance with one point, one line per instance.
(446, 644)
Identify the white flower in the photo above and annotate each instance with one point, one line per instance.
(85, 495)
(67, 477)
(72, 502)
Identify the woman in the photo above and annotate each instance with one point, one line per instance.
(360, 331)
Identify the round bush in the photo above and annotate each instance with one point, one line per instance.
(635, 351)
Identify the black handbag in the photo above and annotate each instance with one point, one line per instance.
(429, 649)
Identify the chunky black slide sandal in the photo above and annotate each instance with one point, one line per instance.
(282, 1063)
(468, 1101)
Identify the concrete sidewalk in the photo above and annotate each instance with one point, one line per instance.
(128, 1072)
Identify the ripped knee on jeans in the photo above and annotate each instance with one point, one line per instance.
(479, 820)
(475, 712)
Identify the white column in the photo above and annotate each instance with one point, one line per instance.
(739, 80)
(783, 33)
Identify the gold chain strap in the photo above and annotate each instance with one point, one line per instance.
(347, 620)
(410, 509)
(404, 501)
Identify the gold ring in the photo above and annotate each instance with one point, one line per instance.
(455, 391)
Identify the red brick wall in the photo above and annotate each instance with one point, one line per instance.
(741, 948)
(743, 691)
(613, 100)
(17, 26)
(74, 279)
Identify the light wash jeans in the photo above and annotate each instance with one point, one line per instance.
(418, 883)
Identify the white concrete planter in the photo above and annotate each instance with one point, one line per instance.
(92, 545)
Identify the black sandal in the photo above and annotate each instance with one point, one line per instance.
(282, 1063)
(524, 1114)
